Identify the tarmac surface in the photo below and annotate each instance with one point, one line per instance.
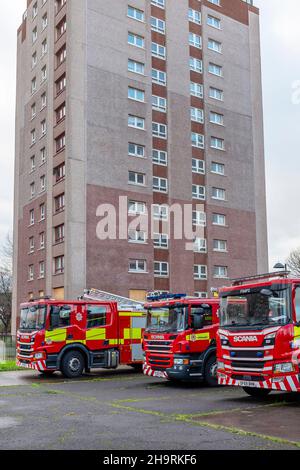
(124, 410)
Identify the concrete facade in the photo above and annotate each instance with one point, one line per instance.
(95, 150)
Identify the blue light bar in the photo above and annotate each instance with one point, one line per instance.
(156, 298)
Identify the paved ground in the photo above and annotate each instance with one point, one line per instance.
(125, 410)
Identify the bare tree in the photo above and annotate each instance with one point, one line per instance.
(6, 253)
(293, 262)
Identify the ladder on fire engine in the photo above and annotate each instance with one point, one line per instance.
(123, 302)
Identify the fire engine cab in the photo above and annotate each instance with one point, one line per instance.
(180, 338)
(98, 331)
(259, 336)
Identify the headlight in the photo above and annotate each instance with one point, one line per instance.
(221, 365)
(39, 356)
(269, 340)
(224, 340)
(283, 367)
(181, 362)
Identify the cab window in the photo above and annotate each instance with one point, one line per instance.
(204, 310)
(297, 304)
(96, 316)
(60, 316)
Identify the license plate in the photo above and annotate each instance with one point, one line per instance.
(159, 374)
(246, 383)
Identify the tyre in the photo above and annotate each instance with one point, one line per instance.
(72, 364)
(210, 372)
(257, 392)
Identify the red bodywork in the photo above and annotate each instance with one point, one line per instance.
(193, 346)
(250, 357)
(109, 331)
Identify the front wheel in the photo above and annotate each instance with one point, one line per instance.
(72, 364)
(257, 392)
(210, 373)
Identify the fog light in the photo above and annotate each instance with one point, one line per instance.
(221, 365)
(284, 367)
(39, 356)
(181, 361)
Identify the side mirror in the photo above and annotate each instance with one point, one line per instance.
(198, 322)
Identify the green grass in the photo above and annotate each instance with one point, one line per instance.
(8, 366)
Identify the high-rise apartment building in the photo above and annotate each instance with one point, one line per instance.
(158, 101)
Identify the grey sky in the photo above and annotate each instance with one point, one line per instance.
(280, 35)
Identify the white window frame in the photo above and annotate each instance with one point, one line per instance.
(200, 272)
(198, 140)
(197, 115)
(198, 192)
(138, 67)
(159, 130)
(160, 185)
(160, 157)
(196, 89)
(138, 263)
(135, 121)
(158, 25)
(217, 192)
(161, 241)
(195, 40)
(136, 152)
(158, 80)
(136, 38)
(157, 50)
(198, 166)
(161, 269)
(136, 182)
(196, 65)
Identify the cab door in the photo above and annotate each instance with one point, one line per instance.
(101, 331)
(201, 339)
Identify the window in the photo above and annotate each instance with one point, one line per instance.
(44, 47)
(136, 40)
(158, 50)
(199, 218)
(161, 240)
(32, 190)
(42, 212)
(59, 203)
(32, 163)
(217, 143)
(215, 69)
(200, 245)
(194, 16)
(160, 184)
(43, 101)
(161, 269)
(31, 245)
(215, 46)
(198, 166)
(214, 22)
(216, 94)
(200, 272)
(61, 56)
(33, 137)
(34, 35)
(137, 266)
(220, 272)
(59, 265)
(61, 28)
(60, 172)
(196, 90)
(297, 303)
(218, 168)
(198, 192)
(43, 128)
(43, 183)
(220, 245)
(136, 150)
(60, 113)
(158, 25)
(60, 316)
(159, 130)
(159, 157)
(196, 65)
(160, 212)
(43, 155)
(219, 219)
(33, 85)
(42, 269)
(34, 11)
(96, 316)
(197, 140)
(59, 4)
(136, 178)
(42, 240)
(44, 74)
(60, 142)
(136, 207)
(34, 60)
(219, 194)
(201, 295)
(195, 40)
(215, 2)
(33, 111)
(31, 217)
(135, 94)
(137, 122)
(60, 84)
(158, 3)
(44, 21)
(136, 236)
(135, 13)
(216, 118)
(197, 115)
(159, 103)
(136, 67)
(31, 272)
(59, 233)
(159, 77)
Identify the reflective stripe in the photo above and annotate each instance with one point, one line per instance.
(132, 314)
(198, 337)
(297, 331)
(96, 334)
(75, 341)
(56, 336)
(132, 333)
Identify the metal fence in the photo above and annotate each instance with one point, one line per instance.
(7, 348)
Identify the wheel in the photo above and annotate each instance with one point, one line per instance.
(257, 392)
(47, 373)
(210, 372)
(72, 364)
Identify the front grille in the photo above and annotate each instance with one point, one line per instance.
(247, 365)
(159, 361)
(25, 347)
(247, 354)
(25, 353)
(158, 346)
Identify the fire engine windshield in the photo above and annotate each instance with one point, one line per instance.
(167, 319)
(261, 307)
(33, 318)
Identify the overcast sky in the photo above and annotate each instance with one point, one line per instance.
(280, 34)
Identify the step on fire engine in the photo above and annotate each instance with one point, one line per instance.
(259, 336)
(100, 330)
(180, 338)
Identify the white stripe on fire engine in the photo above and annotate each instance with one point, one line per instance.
(255, 359)
(251, 332)
(262, 348)
(291, 383)
(248, 370)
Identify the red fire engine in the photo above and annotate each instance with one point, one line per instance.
(259, 336)
(180, 338)
(98, 331)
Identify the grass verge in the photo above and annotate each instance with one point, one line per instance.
(8, 366)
